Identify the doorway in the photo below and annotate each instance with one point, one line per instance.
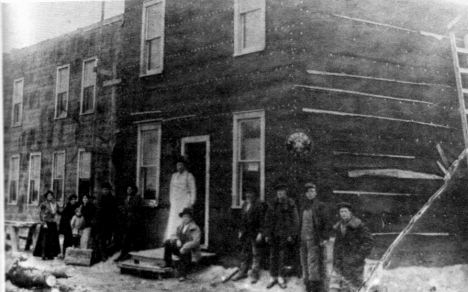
(197, 151)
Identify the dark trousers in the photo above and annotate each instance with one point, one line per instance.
(128, 237)
(278, 255)
(76, 240)
(104, 241)
(67, 240)
(170, 248)
(250, 255)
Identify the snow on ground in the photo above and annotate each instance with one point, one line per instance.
(103, 277)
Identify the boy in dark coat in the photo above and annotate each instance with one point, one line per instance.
(106, 218)
(250, 235)
(281, 230)
(315, 232)
(65, 219)
(353, 244)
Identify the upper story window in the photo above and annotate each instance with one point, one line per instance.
(34, 178)
(61, 98)
(58, 175)
(249, 26)
(88, 90)
(152, 40)
(248, 155)
(149, 156)
(13, 179)
(17, 107)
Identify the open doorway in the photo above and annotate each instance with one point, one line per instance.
(197, 150)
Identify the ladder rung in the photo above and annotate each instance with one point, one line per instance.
(462, 50)
(463, 70)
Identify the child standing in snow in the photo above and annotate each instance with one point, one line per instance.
(77, 225)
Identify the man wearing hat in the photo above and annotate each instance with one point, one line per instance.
(281, 230)
(185, 244)
(353, 244)
(250, 235)
(106, 220)
(315, 232)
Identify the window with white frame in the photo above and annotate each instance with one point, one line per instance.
(61, 98)
(149, 155)
(88, 91)
(152, 40)
(34, 178)
(58, 175)
(249, 26)
(17, 107)
(248, 155)
(84, 173)
(13, 179)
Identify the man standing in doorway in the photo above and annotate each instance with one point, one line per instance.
(182, 194)
(315, 232)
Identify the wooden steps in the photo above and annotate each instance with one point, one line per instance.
(151, 262)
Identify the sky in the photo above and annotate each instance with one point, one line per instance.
(25, 23)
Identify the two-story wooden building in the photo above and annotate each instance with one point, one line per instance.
(358, 96)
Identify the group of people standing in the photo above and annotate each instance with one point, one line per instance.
(104, 227)
(283, 225)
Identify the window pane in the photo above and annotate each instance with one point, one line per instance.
(18, 91)
(58, 188)
(148, 182)
(246, 5)
(85, 165)
(35, 167)
(249, 176)
(153, 49)
(149, 144)
(62, 103)
(84, 187)
(250, 139)
(16, 113)
(89, 74)
(88, 98)
(13, 194)
(154, 25)
(59, 160)
(62, 80)
(33, 191)
(252, 34)
(14, 169)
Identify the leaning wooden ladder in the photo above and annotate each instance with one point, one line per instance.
(461, 73)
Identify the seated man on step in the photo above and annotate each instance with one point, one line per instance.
(184, 244)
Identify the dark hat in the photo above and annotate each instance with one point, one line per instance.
(249, 189)
(72, 197)
(181, 159)
(345, 205)
(310, 185)
(188, 211)
(134, 188)
(89, 196)
(49, 192)
(281, 186)
(106, 185)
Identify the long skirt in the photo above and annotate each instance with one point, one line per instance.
(48, 245)
(179, 201)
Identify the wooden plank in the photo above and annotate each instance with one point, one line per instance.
(317, 111)
(442, 155)
(416, 233)
(441, 166)
(399, 173)
(371, 193)
(373, 155)
(463, 70)
(111, 82)
(76, 256)
(363, 94)
(316, 72)
(144, 266)
(462, 50)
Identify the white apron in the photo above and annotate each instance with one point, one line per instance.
(182, 194)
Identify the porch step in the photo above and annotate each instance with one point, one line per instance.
(133, 266)
(156, 256)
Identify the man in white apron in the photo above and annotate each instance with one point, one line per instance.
(182, 194)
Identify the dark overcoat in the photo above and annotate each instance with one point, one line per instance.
(351, 249)
(252, 220)
(282, 219)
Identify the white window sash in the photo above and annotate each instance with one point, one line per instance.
(55, 161)
(236, 161)
(146, 38)
(88, 79)
(241, 8)
(18, 94)
(14, 177)
(34, 175)
(140, 166)
(62, 87)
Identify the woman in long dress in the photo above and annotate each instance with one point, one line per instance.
(48, 245)
(182, 194)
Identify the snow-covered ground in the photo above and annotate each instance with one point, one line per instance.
(107, 277)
